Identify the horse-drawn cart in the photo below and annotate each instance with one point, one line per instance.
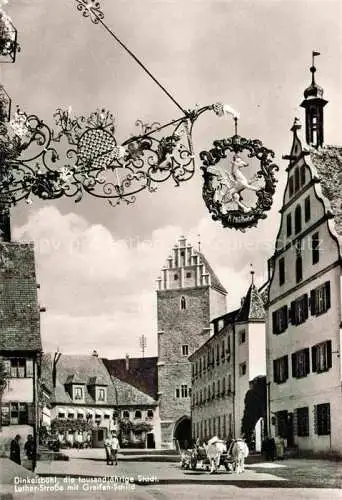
(212, 457)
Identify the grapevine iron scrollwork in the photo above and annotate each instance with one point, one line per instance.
(223, 185)
(82, 156)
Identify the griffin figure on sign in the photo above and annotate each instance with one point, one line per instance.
(229, 184)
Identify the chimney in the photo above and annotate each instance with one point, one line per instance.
(95, 354)
(56, 357)
(127, 362)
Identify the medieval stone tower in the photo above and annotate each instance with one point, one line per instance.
(189, 296)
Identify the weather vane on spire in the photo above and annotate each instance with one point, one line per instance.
(313, 67)
(252, 272)
(314, 54)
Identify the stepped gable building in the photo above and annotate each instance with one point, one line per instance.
(304, 308)
(189, 296)
(224, 366)
(86, 401)
(20, 341)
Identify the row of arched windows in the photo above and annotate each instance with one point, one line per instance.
(220, 426)
(298, 217)
(213, 391)
(216, 354)
(297, 180)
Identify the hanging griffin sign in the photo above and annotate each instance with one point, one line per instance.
(232, 193)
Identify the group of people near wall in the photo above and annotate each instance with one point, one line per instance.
(29, 449)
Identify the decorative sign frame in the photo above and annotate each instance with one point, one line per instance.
(223, 186)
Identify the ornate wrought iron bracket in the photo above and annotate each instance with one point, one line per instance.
(82, 156)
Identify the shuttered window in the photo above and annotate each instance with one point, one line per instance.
(281, 370)
(302, 421)
(280, 320)
(320, 299)
(282, 423)
(300, 363)
(299, 310)
(322, 419)
(21, 413)
(321, 355)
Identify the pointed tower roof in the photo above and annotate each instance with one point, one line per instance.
(252, 308)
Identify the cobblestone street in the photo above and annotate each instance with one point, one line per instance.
(311, 473)
(293, 478)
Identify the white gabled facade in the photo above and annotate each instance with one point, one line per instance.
(304, 309)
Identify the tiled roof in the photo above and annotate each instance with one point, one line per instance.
(328, 163)
(19, 310)
(215, 282)
(142, 373)
(129, 395)
(228, 318)
(263, 292)
(252, 308)
(88, 370)
(76, 369)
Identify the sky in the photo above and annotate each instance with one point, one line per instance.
(97, 265)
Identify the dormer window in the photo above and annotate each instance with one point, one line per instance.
(101, 395)
(78, 393)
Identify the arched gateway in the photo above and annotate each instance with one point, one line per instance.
(182, 432)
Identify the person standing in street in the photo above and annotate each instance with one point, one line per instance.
(15, 450)
(108, 449)
(30, 450)
(115, 447)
